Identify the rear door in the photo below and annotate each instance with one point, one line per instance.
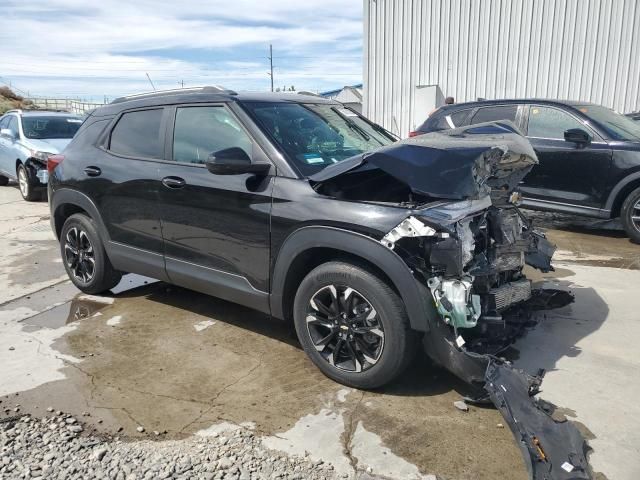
(123, 179)
(568, 174)
(4, 157)
(216, 228)
(9, 146)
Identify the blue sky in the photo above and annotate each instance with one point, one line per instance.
(79, 49)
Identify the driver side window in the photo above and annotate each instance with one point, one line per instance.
(548, 122)
(201, 131)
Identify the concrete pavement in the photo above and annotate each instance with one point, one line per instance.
(181, 362)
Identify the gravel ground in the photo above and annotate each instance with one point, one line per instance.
(55, 447)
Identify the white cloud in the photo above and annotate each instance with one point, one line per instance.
(67, 46)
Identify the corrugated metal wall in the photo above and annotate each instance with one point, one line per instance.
(570, 49)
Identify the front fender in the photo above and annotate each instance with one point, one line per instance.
(416, 298)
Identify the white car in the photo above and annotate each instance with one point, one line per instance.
(27, 138)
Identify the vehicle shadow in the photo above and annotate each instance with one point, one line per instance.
(558, 332)
(554, 336)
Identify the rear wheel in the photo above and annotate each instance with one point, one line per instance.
(352, 325)
(3, 181)
(27, 184)
(630, 215)
(84, 257)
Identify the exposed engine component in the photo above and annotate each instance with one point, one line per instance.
(409, 227)
(506, 295)
(455, 302)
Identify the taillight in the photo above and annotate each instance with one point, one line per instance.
(53, 161)
(415, 133)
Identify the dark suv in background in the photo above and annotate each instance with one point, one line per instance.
(589, 155)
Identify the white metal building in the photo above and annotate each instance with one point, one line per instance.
(566, 49)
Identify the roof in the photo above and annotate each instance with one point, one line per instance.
(204, 95)
(41, 113)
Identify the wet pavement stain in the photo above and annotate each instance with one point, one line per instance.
(153, 368)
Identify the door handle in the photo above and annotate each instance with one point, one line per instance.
(92, 171)
(173, 182)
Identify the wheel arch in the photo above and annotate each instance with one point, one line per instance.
(66, 202)
(309, 247)
(618, 194)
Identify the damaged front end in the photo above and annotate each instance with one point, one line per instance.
(467, 243)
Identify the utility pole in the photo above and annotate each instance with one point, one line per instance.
(152, 85)
(182, 83)
(270, 57)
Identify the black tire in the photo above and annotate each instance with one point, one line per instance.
(630, 215)
(79, 233)
(27, 184)
(393, 350)
(3, 181)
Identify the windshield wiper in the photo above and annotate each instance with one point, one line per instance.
(351, 124)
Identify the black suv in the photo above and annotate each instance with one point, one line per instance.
(298, 207)
(589, 155)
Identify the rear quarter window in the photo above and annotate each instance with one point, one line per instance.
(497, 113)
(138, 134)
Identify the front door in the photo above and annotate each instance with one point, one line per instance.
(568, 173)
(216, 228)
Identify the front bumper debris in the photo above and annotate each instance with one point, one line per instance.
(551, 450)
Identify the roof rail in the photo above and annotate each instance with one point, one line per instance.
(175, 91)
(14, 110)
(305, 92)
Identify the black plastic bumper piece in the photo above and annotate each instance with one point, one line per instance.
(551, 450)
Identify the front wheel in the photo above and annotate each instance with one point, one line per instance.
(352, 325)
(84, 257)
(630, 215)
(27, 184)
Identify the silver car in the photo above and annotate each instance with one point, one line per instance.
(27, 138)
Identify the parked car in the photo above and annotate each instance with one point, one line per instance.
(589, 155)
(301, 208)
(27, 138)
(277, 202)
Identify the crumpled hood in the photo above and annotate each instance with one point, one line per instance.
(458, 164)
(50, 145)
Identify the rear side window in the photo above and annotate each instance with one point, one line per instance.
(4, 122)
(493, 114)
(137, 134)
(201, 131)
(447, 121)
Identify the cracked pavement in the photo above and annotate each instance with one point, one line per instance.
(181, 363)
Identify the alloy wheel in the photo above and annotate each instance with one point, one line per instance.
(79, 254)
(345, 328)
(22, 181)
(635, 215)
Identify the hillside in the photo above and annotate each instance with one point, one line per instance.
(9, 100)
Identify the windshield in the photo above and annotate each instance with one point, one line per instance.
(42, 127)
(617, 126)
(317, 135)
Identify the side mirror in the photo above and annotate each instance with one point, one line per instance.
(5, 132)
(577, 135)
(234, 161)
